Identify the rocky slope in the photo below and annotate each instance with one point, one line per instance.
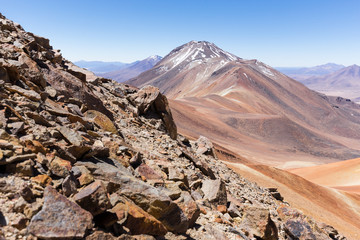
(252, 109)
(88, 158)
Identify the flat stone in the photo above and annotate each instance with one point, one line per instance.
(30, 94)
(205, 146)
(3, 119)
(18, 158)
(154, 202)
(298, 226)
(83, 175)
(78, 151)
(99, 235)
(51, 91)
(233, 210)
(199, 163)
(17, 127)
(35, 146)
(59, 218)
(70, 135)
(147, 172)
(38, 119)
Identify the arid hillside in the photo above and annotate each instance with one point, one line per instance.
(250, 108)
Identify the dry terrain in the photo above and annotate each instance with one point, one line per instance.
(252, 109)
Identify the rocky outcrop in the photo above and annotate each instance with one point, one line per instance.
(91, 158)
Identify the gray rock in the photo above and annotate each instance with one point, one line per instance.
(215, 191)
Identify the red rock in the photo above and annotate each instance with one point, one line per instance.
(147, 172)
(59, 218)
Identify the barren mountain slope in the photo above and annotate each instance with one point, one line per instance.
(341, 175)
(256, 110)
(341, 209)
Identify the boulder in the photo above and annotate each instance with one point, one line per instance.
(258, 223)
(138, 221)
(154, 202)
(59, 218)
(189, 207)
(298, 226)
(215, 191)
(93, 198)
(149, 97)
(60, 167)
(205, 146)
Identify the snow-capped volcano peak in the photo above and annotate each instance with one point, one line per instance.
(198, 51)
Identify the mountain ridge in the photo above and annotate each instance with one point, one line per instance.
(252, 101)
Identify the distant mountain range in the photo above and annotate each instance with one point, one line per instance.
(101, 67)
(132, 70)
(330, 79)
(119, 71)
(301, 73)
(344, 82)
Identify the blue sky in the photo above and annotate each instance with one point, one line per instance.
(277, 32)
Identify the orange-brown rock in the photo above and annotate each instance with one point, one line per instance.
(101, 120)
(35, 146)
(221, 208)
(60, 167)
(139, 221)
